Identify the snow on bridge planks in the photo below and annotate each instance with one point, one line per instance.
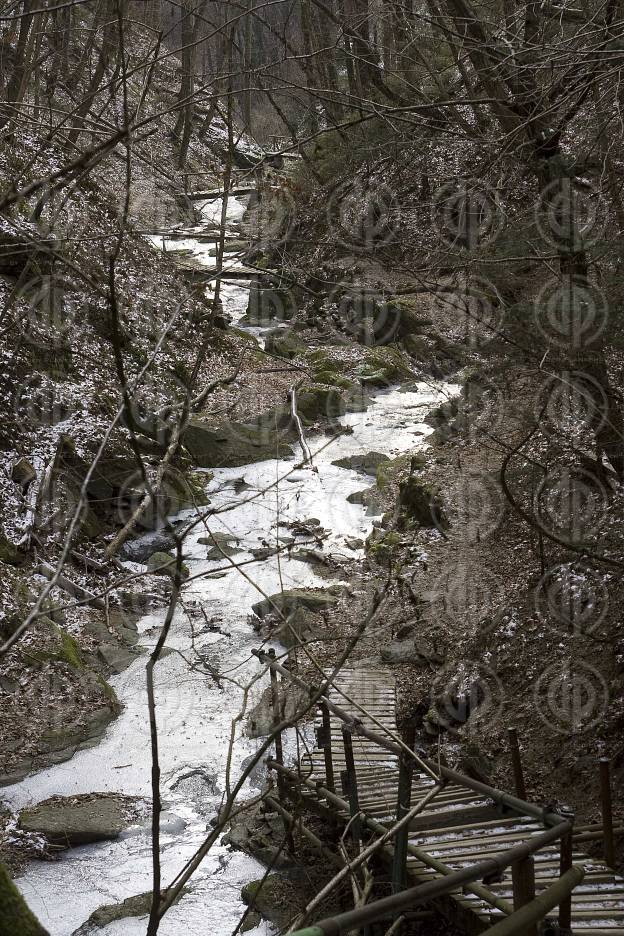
(459, 827)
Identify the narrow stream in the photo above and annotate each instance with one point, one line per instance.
(195, 716)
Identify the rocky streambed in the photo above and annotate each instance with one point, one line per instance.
(276, 516)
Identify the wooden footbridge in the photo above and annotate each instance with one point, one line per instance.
(486, 860)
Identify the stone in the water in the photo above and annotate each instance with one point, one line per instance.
(302, 625)
(218, 539)
(352, 542)
(78, 820)
(314, 599)
(223, 550)
(277, 898)
(261, 719)
(251, 921)
(170, 824)
(116, 656)
(141, 549)
(136, 906)
(367, 463)
(369, 498)
(161, 563)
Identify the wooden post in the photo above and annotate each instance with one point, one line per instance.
(404, 798)
(279, 752)
(565, 863)
(523, 877)
(327, 746)
(516, 763)
(607, 811)
(351, 785)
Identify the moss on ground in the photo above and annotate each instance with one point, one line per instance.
(382, 550)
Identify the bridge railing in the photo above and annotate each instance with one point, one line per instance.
(519, 922)
(526, 910)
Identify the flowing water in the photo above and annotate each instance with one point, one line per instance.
(194, 715)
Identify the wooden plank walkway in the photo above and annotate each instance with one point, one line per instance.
(459, 827)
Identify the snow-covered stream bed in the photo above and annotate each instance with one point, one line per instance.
(194, 715)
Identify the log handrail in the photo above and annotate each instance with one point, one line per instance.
(414, 896)
(436, 772)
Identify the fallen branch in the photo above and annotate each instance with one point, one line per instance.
(307, 454)
(66, 585)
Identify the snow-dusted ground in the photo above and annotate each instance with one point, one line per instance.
(195, 717)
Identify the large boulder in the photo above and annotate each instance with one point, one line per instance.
(269, 305)
(78, 820)
(259, 833)
(317, 402)
(261, 718)
(301, 625)
(284, 343)
(233, 444)
(416, 650)
(16, 919)
(280, 897)
(9, 553)
(419, 504)
(287, 602)
(369, 498)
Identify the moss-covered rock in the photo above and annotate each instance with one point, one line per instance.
(9, 553)
(284, 344)
(261, 718)
(419, 504)
(59, 647)
(302, 624)
(267, 305)
(383, 367)
(319, 402)
(161, 563)
(389, 470)
(267, 898)
(333, 379)
(382, 548)
(322, 361)
(368, 498)
(443, 418)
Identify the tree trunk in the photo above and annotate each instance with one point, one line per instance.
(16, 919)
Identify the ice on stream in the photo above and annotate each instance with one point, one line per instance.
(194, 715)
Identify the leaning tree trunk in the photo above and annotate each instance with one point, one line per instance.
(16, 918)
